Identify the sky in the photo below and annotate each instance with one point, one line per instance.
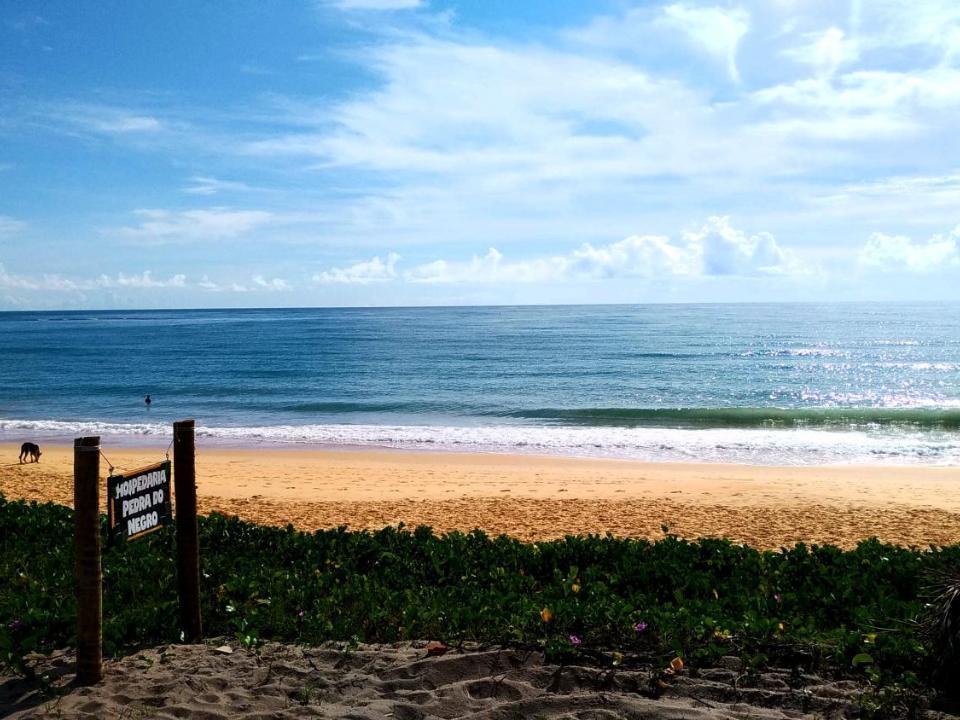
(430, 152)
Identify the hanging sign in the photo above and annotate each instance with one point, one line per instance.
(138, 502)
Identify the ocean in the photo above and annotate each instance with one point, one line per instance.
(796, 384)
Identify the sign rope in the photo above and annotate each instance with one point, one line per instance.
(109, 464)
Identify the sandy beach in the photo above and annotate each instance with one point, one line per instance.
(222, 680)
(535, 498)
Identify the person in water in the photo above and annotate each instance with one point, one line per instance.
(147, 401)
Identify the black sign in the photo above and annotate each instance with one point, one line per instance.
(139, 502)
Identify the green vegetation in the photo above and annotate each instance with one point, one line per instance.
(605, 599)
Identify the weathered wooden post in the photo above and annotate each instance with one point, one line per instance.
(188, 550)
(87, 568)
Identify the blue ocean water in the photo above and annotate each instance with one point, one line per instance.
(775, 384)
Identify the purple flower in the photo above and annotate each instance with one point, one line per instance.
(300, 614)
(776, 596)
(575, 641)
(640, 627)
(15, 624)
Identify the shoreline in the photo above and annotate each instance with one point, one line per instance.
(542, 497)
(152, 443)
(751, 445)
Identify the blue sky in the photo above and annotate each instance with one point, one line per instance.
(383, 152)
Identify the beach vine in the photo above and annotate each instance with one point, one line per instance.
(588, 598)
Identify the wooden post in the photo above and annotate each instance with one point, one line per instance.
(87, 569)
(188, 550)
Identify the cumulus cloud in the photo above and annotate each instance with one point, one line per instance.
(723, 250)
(258, 283)
(488, 268)
(54, 282)
(261, 283)
(361, 273)
(143, 280)
(216, 223)
(10, 281)
(897, 253)
(714, 249)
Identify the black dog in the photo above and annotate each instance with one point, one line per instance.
(30, 450)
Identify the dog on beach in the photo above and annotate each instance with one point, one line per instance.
(30, 450)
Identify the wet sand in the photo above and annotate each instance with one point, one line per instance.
(534, 498)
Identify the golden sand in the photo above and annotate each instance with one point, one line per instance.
(534, 498)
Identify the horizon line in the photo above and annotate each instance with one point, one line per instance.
(481, 306)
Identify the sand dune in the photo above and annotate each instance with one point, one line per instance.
(400, 681)
(540, 497)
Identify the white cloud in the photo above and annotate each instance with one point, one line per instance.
(561, 140)
(489, 268)
(715, 30)
(864, 91)
(928, 25)
(861, 106)
(930, 199)
(825, 51)
(482, 120)
(904, 186)
(715, 249)
(897, 253)
(42, 282)
(258, 283)
(217, 223)
(107, 119)
(376, 4)
(274, 284)
(58, 283)
(635, 256)
(361, 273)
(572, 135)
(143, 280)
(201, 185)
(127, 124)
(528, 125)
(723, 250)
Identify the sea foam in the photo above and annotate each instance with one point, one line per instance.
(725, 445)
